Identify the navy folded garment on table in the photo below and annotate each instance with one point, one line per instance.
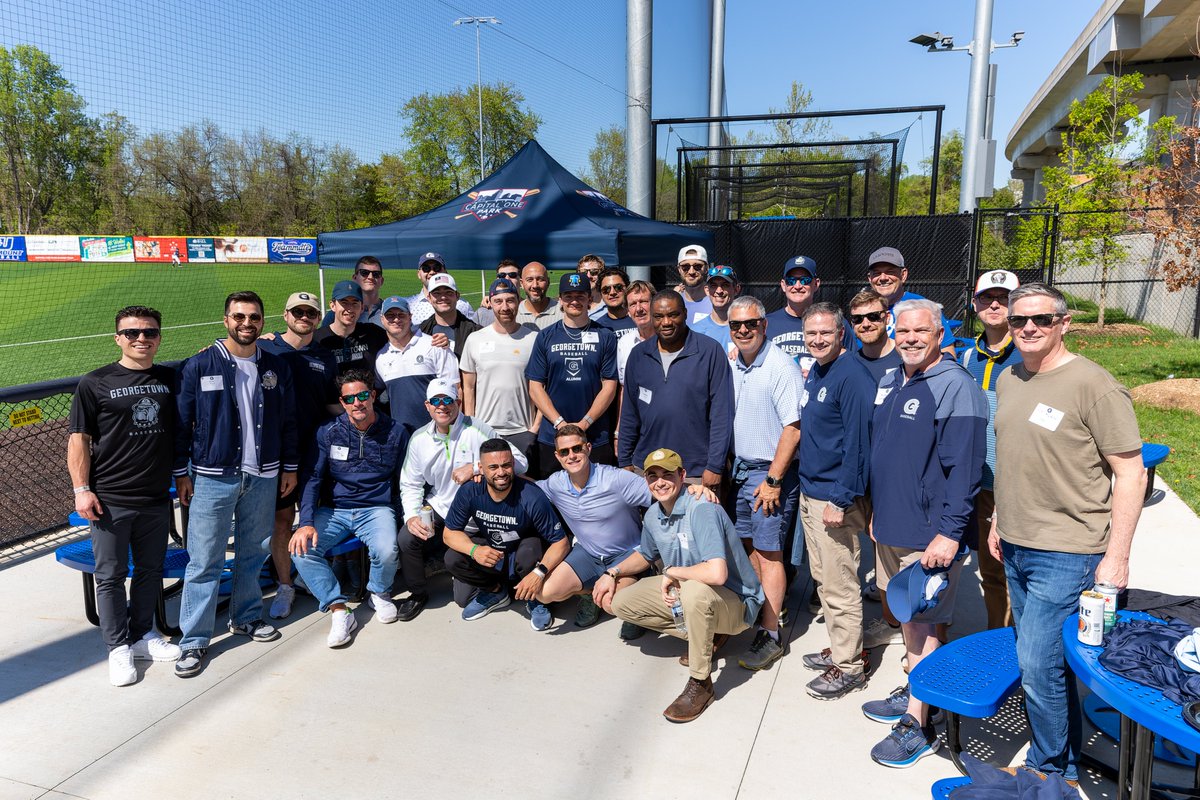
(1144, 652)
(991, 783)
(1164, 606)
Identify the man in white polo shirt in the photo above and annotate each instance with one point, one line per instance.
(407, 364)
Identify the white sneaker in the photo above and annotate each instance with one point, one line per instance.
(342, 625)
(121, 671)
(153, 647)
(385, 609)
(281, 606)
(878, 633)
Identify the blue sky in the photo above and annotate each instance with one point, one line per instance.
(339, 72)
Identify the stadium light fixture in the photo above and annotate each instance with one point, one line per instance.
(478, 22)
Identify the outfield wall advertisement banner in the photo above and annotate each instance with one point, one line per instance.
(292, 251)
(106, 248)
(200, 250)
(241, 250)
(12, 248)
(160, 249)
(52, 248)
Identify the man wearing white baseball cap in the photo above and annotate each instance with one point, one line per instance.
(993, 352)
(693, 270)
(447, 318)
(887, 275)
(428, 265)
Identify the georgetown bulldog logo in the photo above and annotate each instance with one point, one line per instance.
(145, 413)
(488, 203)
(270, 380)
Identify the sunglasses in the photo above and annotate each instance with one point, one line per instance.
(593, 272)
(375, 274)
(240, 318)
(563, 452)
(798, 280)
(615, 288)
(432, 267)
(305, 313)
(692, 267)
(441, 400)
(748, 324)
(362, 396)
(874, 316)
(1018, 321)
(132, 334)
(720, 272)
(512, 276)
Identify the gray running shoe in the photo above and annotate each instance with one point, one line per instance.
(833, 683)
(764, 651)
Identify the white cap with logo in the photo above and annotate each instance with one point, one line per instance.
(996, 279)
(693, 252)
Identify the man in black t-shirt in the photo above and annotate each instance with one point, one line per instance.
(353, 343)
(119, 454)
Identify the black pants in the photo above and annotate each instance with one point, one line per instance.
(119, 529)
(523, 441)
(471, 577)
(548, 464)
(413, 552)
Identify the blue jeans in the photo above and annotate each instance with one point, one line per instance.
(246, 504)
(1044, 589)
(375, 526)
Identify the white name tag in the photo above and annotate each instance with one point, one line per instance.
(645, 395)
(212, 383)
(1047, 417)
(590, 337)
(804, 399)
(683, 539)
(805, 363)
(881, 394)
(509, 536)
(487, 347)
(339, 453)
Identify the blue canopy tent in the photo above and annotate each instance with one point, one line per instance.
(530, 209)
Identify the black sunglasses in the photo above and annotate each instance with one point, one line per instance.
(362, 396)
(1018, 321)
(512, 276)
(240, 318)
(874, 316)
(370, 273)
(563, 452)
(692, 267)
(300, 312)
(748, 324)
(132, 334)
(612, 288)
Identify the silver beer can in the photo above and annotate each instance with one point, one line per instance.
(426, 515)
(1091, 618)
(1110, 603)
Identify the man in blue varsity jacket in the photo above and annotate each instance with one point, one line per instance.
(928, 440)
(237, 428)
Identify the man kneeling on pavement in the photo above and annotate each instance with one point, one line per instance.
(706, 572)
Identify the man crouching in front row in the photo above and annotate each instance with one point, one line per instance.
(705, 570)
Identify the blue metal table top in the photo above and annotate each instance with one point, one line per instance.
(971, 676)
(1145, 706)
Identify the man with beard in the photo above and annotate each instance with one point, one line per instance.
(353, 345)
(537, 311)
(237, 434)
(869, 316)
(510, 271)
(693, 269)
(614, 314)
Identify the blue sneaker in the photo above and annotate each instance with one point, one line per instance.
(539, 615)
(485, 603)
(894, 706)
(907, 744)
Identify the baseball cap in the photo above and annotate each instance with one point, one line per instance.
(502, 286)
(344, 289)
(996, 279)
(664, 459)
(722, 271)
(917, 589)
(431, 257)
(800, 262)
(440, 280)
(886, 255)
(395, 302)
(437, 387)
(1187, 651)
(692, 252)
(574, 282)
(297, 299)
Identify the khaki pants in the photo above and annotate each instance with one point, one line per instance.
(991, 571)
(833, 557)
(707, 610)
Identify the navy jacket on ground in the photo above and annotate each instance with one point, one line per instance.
(210, 429)
(691, 412)
(928, 441)
(349, 468)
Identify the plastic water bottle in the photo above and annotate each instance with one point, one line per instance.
(677, 610)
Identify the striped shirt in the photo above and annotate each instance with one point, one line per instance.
(766, 398)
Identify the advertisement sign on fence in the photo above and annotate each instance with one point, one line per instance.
(160, 249)
(52, 248)
(106, 248)
(200, 250)
(12, 248)
(292, 251)
(242, 250)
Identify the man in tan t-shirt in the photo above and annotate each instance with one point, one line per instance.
(1065, 428)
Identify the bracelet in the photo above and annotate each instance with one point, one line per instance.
(82, 489)
(471, 554)
(557, 422)
(590, 421)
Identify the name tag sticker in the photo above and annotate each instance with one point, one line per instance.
(487, 347)
(590, 337)
(1047, 417)
(212, 383)
(509, 536)
(881, 395)
(645, 395)
(804, 399)
(683, 539)
(339, 453)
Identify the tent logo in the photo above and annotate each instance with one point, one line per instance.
(488, 203)
(605, 203)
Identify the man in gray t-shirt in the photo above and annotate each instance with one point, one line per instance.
(705, 571)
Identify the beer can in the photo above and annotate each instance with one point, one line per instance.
(1091, 618)
(426, 515)
(1110, 603)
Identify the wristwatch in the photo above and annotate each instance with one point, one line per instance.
(540, 569)
(774, 483)
(613, 573)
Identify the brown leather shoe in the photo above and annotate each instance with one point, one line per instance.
(691, 702)
(1032, 771)
(718, 640)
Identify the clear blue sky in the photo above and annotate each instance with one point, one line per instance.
(339, 72)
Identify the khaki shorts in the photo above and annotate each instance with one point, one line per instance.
(890, 560)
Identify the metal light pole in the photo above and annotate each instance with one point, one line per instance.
(977, 128)
(477, 22)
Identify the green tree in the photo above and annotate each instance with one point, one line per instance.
(606, 164)
(912, 196)
(179, 191)
(1104, 149)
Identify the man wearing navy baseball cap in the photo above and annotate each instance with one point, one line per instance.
(354, 345)
(799, 285)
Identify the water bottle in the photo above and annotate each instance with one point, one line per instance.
(677, 610)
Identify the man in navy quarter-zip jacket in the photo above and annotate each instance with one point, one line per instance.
(678, 396)
(237, 427)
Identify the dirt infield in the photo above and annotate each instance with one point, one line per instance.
(1181, 393)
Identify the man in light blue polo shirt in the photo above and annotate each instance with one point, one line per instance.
(765, 485)
(705, 572)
